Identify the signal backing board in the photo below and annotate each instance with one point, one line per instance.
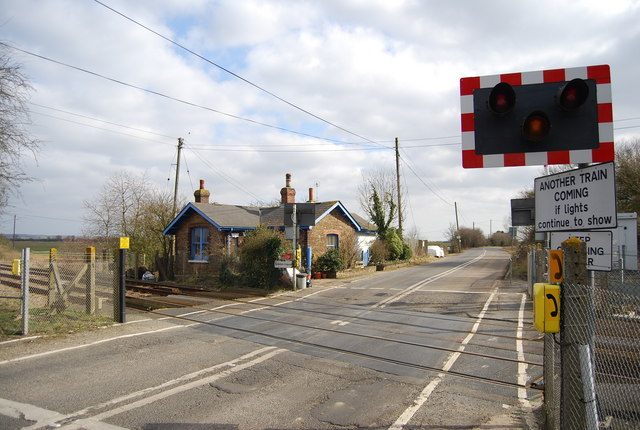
(471, 87)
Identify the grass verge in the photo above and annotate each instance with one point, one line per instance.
(45, 321)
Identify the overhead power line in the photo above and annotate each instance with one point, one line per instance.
(188, 103)
(295, 106)
(429, 187)
(101, 120)
(225, 177)
(221, 147)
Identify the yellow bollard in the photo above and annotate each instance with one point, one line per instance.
(16, 267)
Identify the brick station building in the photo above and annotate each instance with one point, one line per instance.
(206, 231)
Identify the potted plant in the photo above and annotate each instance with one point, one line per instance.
(330, 263)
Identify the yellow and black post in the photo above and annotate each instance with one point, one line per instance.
(120, 310)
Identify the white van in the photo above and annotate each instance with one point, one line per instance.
(436, 251)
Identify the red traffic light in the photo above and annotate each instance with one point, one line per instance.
(536, 126)
(573, 94)
(502, 99)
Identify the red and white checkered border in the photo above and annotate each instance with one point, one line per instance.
(601, 74)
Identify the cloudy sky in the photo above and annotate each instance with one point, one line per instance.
(318, 89)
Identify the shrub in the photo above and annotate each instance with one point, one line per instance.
(378, 252)
(227, 273)
(330, 261)
(260, 248)
(389, 248)
(394, 244)
(407, 253)
(349, 250)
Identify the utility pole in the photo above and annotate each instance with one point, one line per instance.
(399, 192)
(172, 241)
(175, 190)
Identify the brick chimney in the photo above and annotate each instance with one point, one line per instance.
(288, 194)
(311, 199)
(202, 195)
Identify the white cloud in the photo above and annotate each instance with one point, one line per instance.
(377, 68)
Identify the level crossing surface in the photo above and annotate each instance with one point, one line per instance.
(386, 350)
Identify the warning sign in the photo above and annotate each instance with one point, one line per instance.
(581, 199)
(598, 247)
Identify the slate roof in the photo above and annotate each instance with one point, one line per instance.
(242, 218)
(223, 217)
(272, 217)
(364, 224)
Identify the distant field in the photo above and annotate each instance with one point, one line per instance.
(36, 245)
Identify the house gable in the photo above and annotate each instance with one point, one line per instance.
(324, 209)
(222, 217)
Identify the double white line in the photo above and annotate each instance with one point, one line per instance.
(402, 294)
(92, 415)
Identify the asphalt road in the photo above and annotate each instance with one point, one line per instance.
(444, 345)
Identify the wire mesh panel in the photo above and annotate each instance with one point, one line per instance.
(592, 368)
(552, 380)
(617, 348)
(67, 291)
(10, 298)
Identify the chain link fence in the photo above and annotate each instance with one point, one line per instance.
(66, 292)
(592, 367)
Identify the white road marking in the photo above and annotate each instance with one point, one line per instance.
(71, 348)
(28, 412)
(406, 416)
(97, 342)
(185, 387)
(42, 416)
(420, 284)
(19, 340)
(412, 288)
(77, 420)
(522, 367)
(466, 292)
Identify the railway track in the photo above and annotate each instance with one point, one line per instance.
(168, 288)
(152, 295)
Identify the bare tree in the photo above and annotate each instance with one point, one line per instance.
(129, 206)
(14, 116)
(115, 210)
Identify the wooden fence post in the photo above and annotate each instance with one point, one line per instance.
(90, 292)
(52, 279)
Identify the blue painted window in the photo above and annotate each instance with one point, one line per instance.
(332, 241)
(199, 243)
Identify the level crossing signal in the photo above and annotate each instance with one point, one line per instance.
(557, 116)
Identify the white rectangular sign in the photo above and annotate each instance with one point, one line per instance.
(598, 247)
(581, 199)
(283, 264)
